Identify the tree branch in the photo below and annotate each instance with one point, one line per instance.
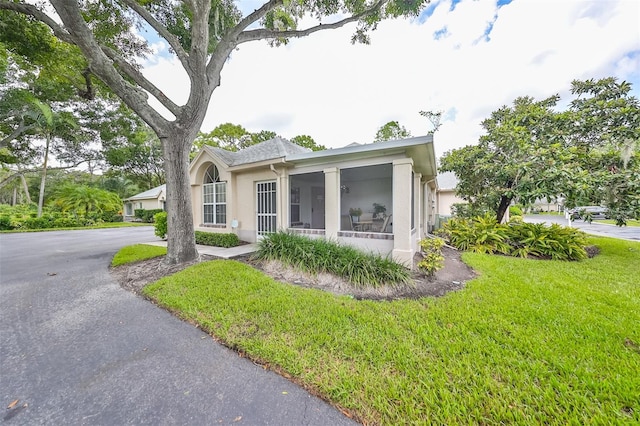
(30, 10)
(230, 40)
(161, 30)
(199, 36)
(141, 80)
(103, 67)
(263, 33)
(20, 130)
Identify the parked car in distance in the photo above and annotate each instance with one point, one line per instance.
(594, 212)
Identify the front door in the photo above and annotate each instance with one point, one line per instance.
(266, 203)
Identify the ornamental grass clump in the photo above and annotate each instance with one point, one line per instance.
(319, 255)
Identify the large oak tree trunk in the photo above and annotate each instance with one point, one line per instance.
(181, 245)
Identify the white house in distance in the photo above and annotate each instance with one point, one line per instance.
(277, 185)
(152, 199)
(447, 197)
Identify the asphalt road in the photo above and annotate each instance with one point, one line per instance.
(604, 230)
(75, 348)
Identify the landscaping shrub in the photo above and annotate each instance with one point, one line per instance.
(432, 258)
(320, 255)
(515, 211)
(466, 210)
(5, 223)
(485, 235)
(555, 241)
(146, 215)
(65, 222)
(46, 221)
(160, 224)
(217, 240)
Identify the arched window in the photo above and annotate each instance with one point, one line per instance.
(214, 196)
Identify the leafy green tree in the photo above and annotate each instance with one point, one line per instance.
(603, 124)
(307, 141)
(587, 154)
(139, 157)
(391, 131)
(515, 159)
(232, 137)
(202, 34)
(84, 200)
(261, 136)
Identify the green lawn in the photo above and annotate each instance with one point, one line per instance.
(528, 342)
(98, 226)
(137, 252)
(630, 222)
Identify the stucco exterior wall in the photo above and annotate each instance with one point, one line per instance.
(446, 198)
(396, 188)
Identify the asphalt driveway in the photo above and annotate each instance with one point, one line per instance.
(594, 228)
(75, 348)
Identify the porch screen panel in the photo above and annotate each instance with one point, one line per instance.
(266, 203)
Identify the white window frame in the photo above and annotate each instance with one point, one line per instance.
(214, 194)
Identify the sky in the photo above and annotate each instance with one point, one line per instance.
(466, 58)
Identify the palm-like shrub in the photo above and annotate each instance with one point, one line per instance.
(84, 200)
(482, 234)
(485, 235)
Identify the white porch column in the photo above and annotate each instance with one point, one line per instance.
(196, 204)
(419, 209)
(332, 202)
(402, 245)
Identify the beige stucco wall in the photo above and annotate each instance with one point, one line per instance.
(446, 198)
(146, 204)
(241, 202)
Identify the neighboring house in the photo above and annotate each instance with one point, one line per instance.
(542, 205)
(277, 185)
(447, 197)
(152, 199)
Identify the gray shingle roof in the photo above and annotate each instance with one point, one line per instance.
(447, 180)
(152, 193)
(267, 150)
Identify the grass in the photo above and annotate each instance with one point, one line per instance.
(630, 222)
(137, 252)
(528, 342)
(98, 226)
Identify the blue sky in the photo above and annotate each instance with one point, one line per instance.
(464, 57)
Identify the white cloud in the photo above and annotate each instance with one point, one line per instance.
(339, 93)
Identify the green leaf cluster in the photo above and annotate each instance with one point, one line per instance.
(432, 258)
(217, 240)
(484, 234)
(160, 224)
(146, 215)
(586, 155)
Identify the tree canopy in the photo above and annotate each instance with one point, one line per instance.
(234, 137)
(391, 131)
(587, 154)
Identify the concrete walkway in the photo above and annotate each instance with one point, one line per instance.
(221, 252)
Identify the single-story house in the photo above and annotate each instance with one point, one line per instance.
(152, 199)
(446, 195)
(380, 197)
